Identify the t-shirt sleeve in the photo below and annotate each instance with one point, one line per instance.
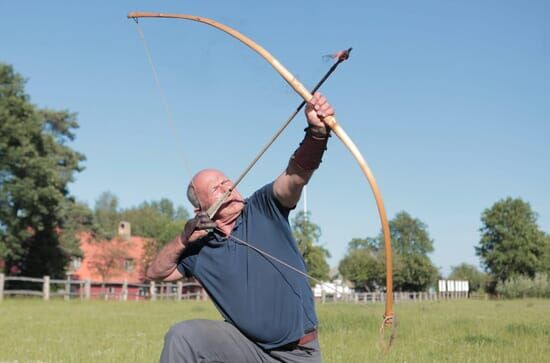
(186, 264)
(264, 199)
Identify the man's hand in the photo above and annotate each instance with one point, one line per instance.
(317, 109)
(197, 227)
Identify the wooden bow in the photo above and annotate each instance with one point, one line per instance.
(329, 121)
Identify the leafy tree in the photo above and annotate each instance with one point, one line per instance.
(165, 207)
(181, 214)
(413, 269)
(413, 272)
(470, 273)
(106, 214)
(546, 256)
(307, 234)
(77, 217)
(511, 243)
(409, 235)
(156, 220)
(369, 243)
(363, 265)
(36, 166)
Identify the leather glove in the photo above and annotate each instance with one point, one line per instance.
(198, 227)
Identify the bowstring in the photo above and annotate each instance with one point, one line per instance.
(165, 104)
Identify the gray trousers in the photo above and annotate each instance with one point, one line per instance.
(208, 341)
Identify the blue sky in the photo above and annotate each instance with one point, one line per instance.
(448, 101)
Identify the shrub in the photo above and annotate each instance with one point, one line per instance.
(523, 286)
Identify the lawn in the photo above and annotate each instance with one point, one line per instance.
(447, 331)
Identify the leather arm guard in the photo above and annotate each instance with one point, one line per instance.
(310, 152)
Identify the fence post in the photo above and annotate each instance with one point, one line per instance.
(168, 290)
(67, 292)
(87, 289)
(2, 279)
(179, 290)
(46, 288)
(153, 291)
(124, 294)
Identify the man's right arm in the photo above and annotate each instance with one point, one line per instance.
(165, 263)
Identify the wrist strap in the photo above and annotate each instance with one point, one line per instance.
(310, 152)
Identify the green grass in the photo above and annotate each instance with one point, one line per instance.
(449, 331)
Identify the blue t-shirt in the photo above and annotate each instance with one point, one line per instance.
(267, 301)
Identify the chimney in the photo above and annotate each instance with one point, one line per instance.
(124, 230)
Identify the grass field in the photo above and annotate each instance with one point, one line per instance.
(448, 331)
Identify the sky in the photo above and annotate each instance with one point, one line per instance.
(449, 103)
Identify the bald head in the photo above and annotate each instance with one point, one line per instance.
(202, 186)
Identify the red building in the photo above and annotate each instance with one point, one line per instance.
(117, 267)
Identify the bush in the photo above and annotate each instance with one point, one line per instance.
(523, 286)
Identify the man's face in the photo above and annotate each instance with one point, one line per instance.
(210, 185)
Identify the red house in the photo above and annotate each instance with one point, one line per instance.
(117, 267)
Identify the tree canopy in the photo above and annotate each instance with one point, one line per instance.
(470, 273)
(364, 263)
(307, 236)
(36, 167)
(511, 242)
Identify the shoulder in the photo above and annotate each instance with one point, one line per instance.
(265, 199)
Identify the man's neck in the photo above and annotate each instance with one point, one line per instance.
(226, 223)
(226, 226)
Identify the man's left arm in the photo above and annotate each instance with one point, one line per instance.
(306, 159)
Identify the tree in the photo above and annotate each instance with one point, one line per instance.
(413, 272)
(369, 243)
(307, 235)
(511, 243)
(365, 261)
(36, 166)
(413, 269)
(363, 265)
(546, 256)
(409, 235)
(77, 217)
(156, 219)
(106, 214)
(470, 273)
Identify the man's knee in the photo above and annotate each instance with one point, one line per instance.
(181, 342)
(178, 331)
(187, 331)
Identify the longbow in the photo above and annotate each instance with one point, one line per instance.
(329, 121)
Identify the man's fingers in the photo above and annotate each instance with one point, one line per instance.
(196, 235)
(204, 221)
(206, 225)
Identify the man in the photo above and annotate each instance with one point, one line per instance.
(268, 307)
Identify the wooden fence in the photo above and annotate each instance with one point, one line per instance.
(380, 297)
(47, 288)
